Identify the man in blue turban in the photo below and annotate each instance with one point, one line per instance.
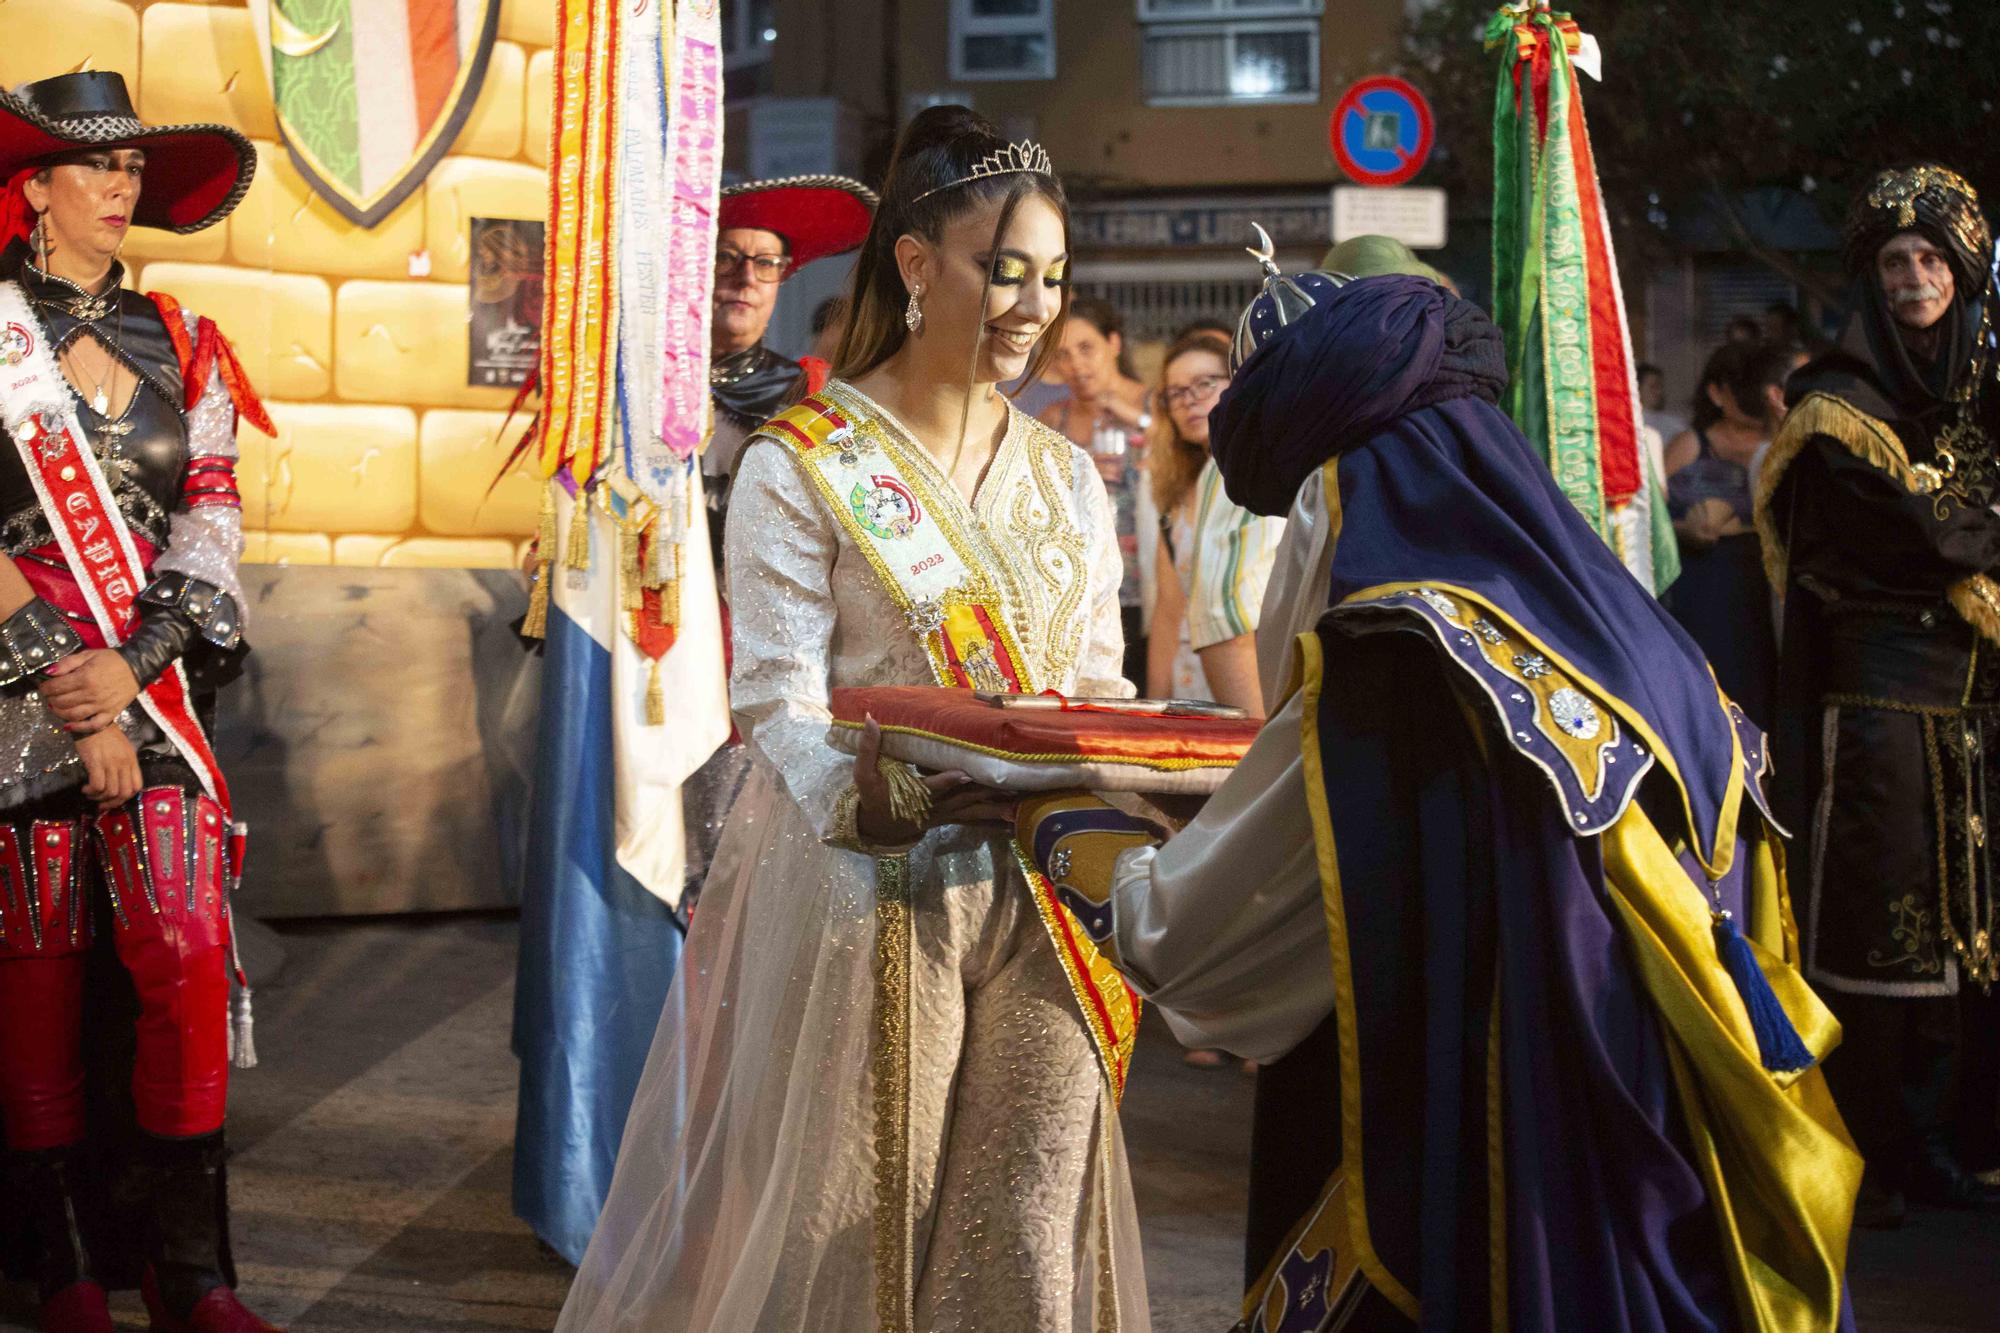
(1504, 847)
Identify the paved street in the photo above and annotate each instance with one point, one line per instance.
(373, 1160)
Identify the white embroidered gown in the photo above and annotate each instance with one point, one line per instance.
(746, 1184)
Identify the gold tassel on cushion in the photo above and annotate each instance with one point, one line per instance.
(656, 699)
(536, 626)
(578, 554)
(909, 798)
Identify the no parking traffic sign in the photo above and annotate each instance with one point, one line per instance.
(1381, 131)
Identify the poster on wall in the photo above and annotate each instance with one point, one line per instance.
(506, 337)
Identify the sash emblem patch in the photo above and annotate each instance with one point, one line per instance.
(17, 344)
(886, 509)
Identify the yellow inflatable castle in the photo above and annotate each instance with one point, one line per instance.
(357, 337)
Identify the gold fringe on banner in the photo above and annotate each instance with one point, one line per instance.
(631, 591)
(577, 556)
(670, 593)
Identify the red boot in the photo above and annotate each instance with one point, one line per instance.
(217, 1312)
(78, 1308)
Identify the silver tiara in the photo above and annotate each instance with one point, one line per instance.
(1026, 155)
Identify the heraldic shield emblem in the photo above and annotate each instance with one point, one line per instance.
(370, 93)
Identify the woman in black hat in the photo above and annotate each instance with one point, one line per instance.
(120, 611)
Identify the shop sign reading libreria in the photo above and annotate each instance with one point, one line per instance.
(1200, 224)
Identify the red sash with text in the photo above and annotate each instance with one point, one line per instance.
(101, 554)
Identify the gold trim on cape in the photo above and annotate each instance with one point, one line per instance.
(1875, 442)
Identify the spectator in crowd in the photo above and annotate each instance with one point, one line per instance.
(1037, 395)
(1213, 557)
(1743, 329)
(1721, 597)
(1105, 412)
(1783, 326)
(1660, 424)
(1175, 458)
(1207, 325)
(1653, 398)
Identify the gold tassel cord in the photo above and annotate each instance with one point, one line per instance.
(536, 626)
(577, 555)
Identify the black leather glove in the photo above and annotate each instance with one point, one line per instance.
(160, 638)
(174, 611)
(34, 639)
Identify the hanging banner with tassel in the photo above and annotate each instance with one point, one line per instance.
(697, 183)
(633, 693)
(637, 139)
(1572, 382)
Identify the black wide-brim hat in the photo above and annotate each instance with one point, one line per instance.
(817, 215)
(195, 174)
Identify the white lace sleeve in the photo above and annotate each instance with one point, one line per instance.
(1100, 670)
(778, 557)
(205, 540)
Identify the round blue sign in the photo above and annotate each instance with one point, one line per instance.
(1381, 131)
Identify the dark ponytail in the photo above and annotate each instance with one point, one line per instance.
(937, 148)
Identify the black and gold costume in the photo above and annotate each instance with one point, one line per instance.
(1876, 514)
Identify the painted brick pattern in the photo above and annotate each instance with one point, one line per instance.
(357, 339)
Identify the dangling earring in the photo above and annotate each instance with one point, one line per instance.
(913, 314)
(42, 241)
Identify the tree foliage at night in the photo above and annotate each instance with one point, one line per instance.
(1704, 99)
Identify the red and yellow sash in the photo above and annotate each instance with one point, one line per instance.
(912, 532)
(36, 408)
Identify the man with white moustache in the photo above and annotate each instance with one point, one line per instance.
(1876, 511)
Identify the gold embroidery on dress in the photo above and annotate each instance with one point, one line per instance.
(1054, 544)
(895, 1285)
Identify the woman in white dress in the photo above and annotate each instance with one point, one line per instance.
(877, 1099)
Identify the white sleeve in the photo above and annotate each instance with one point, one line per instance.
(205, 540)
(778, 553)
(1222, 928)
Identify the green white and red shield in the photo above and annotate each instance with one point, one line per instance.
(370, 93)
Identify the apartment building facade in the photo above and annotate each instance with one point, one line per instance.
(1175, 123)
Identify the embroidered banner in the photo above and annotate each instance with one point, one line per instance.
(696, 161)
(643, 191)
(1572, 383)
(580, 323)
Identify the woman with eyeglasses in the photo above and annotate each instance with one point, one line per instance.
(1214, 556)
